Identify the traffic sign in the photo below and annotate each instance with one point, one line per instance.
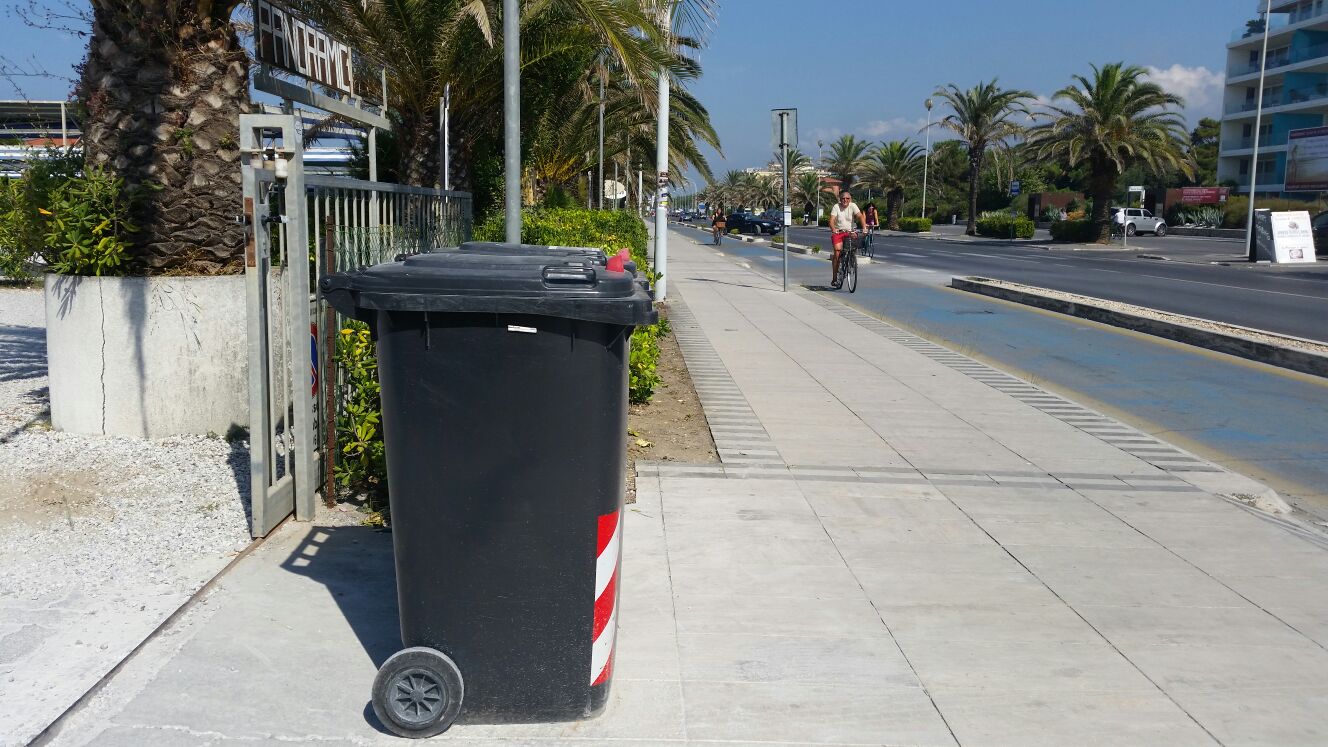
(1015, 186)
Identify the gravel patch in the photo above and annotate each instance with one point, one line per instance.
(1269, 338)
(80, 514)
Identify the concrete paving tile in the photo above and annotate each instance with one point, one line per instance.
(1068, 507)
(832, 661)
(997, 624)
(646, 651)
(1294, 559)
(894, 587)
(760, 579)
(778, 616)
(748, 548)
(858, 507)
(1185, 588)
(1024, 665)
(816, 714)
(959, 559)
(863, 543)
(1262, 717)
(1194, 626)
(1057, 719)
(735, 507)
(637, 710)
(1067, 561)
(1245, 532)
(1098, 532)
(1216, 668)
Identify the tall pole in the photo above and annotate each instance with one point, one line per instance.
(784, 152)
(600, 205)
(816, 219)
(662, 167)
(1251, 254)
(512, 118)
(639, 196)
(446, 121)
(926, 159)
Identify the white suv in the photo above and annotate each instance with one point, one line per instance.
(1138, 220)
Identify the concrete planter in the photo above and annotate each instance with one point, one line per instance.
(147, 356)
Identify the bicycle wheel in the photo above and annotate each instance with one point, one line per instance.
(851, 272)
(867, 250)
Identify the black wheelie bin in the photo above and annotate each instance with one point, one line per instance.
(504, 394)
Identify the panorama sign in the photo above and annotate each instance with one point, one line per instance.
(290, 43)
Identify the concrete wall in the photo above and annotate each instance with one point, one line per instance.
(147, 357)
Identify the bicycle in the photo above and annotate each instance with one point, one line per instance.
(718, 232)
(869, 242)
(847, 277)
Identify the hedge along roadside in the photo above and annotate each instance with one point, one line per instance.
(1001, 226)
(608, 231)
(915, 225)
(1079, 231)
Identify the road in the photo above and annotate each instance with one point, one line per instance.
(1287, 300)
(1258, 420)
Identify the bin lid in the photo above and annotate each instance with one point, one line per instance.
(571, 287)
(495, 247)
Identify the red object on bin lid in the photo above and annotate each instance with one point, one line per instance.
(616, 262)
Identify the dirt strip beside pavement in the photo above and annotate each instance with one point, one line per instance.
(1294, 353)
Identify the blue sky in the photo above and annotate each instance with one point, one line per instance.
(866, 66)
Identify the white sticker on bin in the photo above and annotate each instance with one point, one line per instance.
(519, 328)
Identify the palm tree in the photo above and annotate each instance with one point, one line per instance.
(846, 158)
(807, 188)
(164, 83)
(982, 117)
(892, 168)
(1113, 121)
(797, 161)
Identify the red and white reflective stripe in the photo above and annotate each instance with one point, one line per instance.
(608, 556)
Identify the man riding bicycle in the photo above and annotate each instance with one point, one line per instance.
(842, 217)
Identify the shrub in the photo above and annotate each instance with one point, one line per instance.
(23, 226)
(915, 225)
(610, 231)
(1073, 230)
(1003, 226)
(1236, 211)
(89, 225)
(360, 466)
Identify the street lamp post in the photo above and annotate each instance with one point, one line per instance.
(661, 257)
(926, 159)
(512, 121)
(817, 170)
(1251, 254)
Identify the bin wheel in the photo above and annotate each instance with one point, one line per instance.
(418, 692)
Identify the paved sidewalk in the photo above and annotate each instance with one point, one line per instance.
(901, 546)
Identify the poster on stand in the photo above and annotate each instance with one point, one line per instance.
(1293, 237)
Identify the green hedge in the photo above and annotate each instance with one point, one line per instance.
(915, 225)
(607, 230)
(1000, 227)
(1073, 230)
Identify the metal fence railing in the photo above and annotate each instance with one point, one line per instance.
(357, 224)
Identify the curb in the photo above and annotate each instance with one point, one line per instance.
(1295, 359)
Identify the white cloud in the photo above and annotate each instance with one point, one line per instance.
(1200, 87)
(898, 126)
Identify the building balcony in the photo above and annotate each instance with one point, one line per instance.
(1285, 59)
(1254, 29)
(1315, 95)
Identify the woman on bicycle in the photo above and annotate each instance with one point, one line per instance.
(717, 225)
(872, 220)
(842, 218)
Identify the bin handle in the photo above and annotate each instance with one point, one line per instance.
(569, 275)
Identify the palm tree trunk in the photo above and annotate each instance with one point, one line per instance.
(163, 85)
(975, 154)
(1101, 187)
(893, 202)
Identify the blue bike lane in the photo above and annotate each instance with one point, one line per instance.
(1258, 420)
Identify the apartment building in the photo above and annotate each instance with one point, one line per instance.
(1295, 91)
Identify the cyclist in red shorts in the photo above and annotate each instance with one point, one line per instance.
(842, 217)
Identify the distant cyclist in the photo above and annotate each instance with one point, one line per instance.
(717, 224)
(842, 219)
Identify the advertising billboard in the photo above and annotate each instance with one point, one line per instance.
(1307, 160)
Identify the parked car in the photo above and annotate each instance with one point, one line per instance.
(754, 224)
(1138, 220)
(1319, 225)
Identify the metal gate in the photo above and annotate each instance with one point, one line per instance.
(300, 227)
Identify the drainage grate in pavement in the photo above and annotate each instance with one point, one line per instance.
(739, 436)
